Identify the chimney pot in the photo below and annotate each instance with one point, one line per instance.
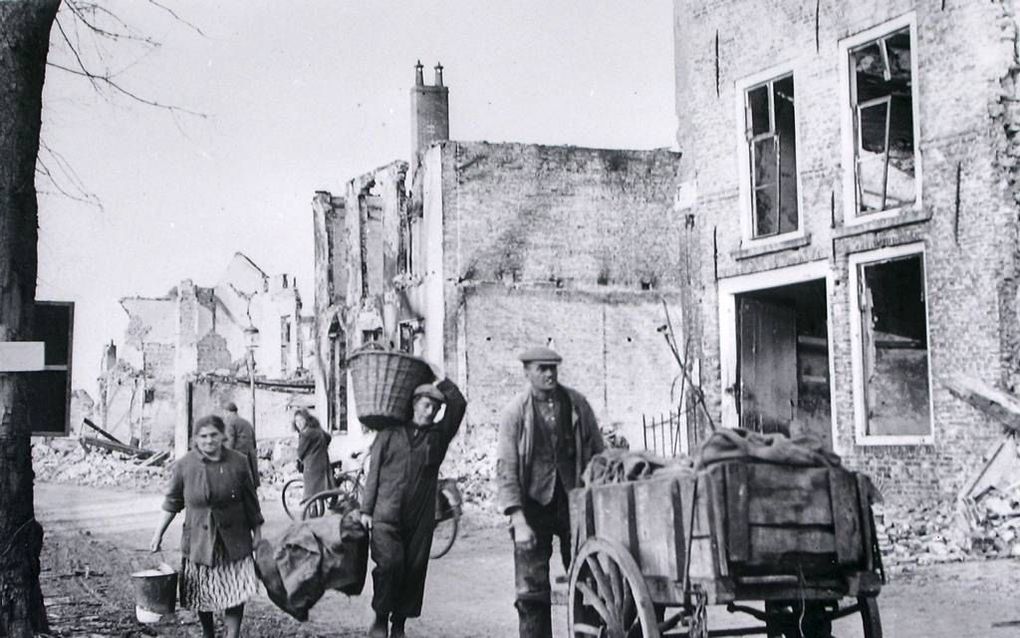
(439, 74)
(419, 79)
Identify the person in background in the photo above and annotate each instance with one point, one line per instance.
(240, 437)
(312, 453)
(222, 523)
(399, 503)
(547, 436)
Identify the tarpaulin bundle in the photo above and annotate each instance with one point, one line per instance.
(729, 444)
(311, 557)
(620, 466)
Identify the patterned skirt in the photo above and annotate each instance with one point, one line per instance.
(222, 586)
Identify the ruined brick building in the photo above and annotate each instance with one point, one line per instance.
(849, 186)
(474, 251)
(186, 351)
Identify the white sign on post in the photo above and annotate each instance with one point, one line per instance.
(22, 356)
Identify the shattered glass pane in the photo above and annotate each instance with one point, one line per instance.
(885, 144)
(758, 102)
(895, 347)
(766, 203)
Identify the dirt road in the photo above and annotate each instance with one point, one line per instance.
(469, 593)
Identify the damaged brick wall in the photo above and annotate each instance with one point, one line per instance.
(571, 244)
(966, 100)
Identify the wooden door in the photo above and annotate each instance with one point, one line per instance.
(767, 365)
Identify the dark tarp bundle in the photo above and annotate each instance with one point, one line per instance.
(728, 444)
(311, 557)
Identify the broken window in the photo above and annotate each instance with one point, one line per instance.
(894, 343)
(772, 149)
(284, 344)
(883, 113)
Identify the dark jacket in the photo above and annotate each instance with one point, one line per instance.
(241, 438)
(218, 499)
(313, 459)
(515, 444)
(404, 464)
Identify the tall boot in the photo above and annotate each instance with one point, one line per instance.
(534, 619)
(397, 626)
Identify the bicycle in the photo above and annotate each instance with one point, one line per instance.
(293, 491)
(347, 494)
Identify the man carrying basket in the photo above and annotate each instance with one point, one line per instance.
(399, 503)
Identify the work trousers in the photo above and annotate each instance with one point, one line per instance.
(401, 556)
(531, 566)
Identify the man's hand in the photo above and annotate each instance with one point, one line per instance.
(524, 536)
(154, 544)
(366, 520)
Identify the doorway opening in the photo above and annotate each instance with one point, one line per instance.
(782, 368)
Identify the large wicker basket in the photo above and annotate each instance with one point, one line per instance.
(383, 383)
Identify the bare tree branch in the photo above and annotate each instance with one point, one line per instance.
(108, 81)
(176, 17)
(76, 9)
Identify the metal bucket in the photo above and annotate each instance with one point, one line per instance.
(155, 593)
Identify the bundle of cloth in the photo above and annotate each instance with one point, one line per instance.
(312, 556)
(620, 466)
(728, 444)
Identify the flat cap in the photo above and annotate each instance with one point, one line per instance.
(430, 391)
(540, 355)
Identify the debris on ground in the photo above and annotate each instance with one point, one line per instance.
(67, 461)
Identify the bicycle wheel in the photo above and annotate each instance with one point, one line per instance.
(443, 536)
(348, 490)
(291, 495)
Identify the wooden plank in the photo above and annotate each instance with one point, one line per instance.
(613, 507)
(715, 482)
(866, 518)
(770, 543)
(582, 525)
(22, 356)
(845, 516)
(996, 403)
(659, 528)
(736, 512)
(781, 495)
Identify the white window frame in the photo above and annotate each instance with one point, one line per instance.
(729, 288)
(851, 215)
(856, 260)
(744, 158)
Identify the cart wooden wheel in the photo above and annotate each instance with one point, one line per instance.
(608, 597)
(869, 615)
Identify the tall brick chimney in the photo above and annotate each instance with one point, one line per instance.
(430, 111)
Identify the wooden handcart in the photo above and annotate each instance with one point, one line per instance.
(650, 556)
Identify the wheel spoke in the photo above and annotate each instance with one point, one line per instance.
(593, 600)
(606, 590)
(587, 630)
(615, 582)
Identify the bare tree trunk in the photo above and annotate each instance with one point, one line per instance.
(24, 44)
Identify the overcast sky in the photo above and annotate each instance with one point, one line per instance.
(300, 96)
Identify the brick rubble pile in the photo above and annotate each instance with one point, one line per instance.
(66, 461)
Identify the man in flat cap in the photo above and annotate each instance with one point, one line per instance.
(240, 437)
(547, 435)
(399, 503)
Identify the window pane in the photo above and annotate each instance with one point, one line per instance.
(883, 89)
(758, 101)
(765, 185)
(895, 344)
(786, 130)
